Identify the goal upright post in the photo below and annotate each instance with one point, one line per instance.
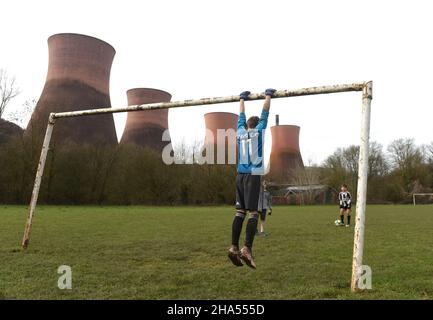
(361, 198)
(38, 180)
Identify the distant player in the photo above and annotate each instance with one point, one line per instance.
(265, 206)
(345, 204)
(250, 168)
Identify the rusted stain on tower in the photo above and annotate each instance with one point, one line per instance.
(78, 78)
(145, 128)
(224, 121)
(285, 153)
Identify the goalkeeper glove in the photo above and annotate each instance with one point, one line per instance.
(270, 92)
(244, 95)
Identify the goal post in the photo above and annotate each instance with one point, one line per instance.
(367, 95)
(421, 195)
(361, 197)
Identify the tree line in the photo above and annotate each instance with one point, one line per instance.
(97, 174)
(394, 174)
(130, 174)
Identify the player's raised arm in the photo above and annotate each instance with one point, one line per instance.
(269, 93)
(242, 121)
(263, 121)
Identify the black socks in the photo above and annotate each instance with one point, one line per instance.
(342, 219)
(237, 228)
(251, 230)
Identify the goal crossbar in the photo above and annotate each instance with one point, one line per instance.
(217, 100)
(367, 96)
(420, 194)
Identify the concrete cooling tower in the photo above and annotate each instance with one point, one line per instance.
(145, 128)
(78, 78)
(225, 121)
(285, 153)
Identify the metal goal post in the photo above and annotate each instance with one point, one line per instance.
(420, 194)
(367, 95)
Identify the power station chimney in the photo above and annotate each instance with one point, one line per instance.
(285, 153)
(145, 128)
(225, 121)
(78, 78)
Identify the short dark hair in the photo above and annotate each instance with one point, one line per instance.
(344, 185)
(252, 122)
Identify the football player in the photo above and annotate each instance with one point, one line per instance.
(345, 199)
(250, 134)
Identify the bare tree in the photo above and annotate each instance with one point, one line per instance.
(428, 152)
(307, 177)
(409, 167)
(8, 90)
(21, 116)
(404, 154)
(342, 165)
(377, 163)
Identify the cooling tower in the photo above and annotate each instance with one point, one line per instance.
(285, 153)
(78, 78)
(224, 121)
(145, 128)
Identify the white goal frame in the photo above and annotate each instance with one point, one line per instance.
(420, 194)
(367, 96)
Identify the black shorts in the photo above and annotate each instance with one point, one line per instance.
(247, 191)
(346, 206)
(263, 215)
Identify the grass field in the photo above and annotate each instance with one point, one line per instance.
(180, 253)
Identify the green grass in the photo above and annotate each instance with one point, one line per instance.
(180, 253)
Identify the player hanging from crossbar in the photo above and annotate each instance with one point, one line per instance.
(250, 168)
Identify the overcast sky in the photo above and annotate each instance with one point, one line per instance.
(196, 49)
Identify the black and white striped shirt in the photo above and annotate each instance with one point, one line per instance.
(345, 197)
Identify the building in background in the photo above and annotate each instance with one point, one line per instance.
(226, 141)
(285, 157)
(145, 128)
(78, 78)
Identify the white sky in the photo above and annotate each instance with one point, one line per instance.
(196, 49)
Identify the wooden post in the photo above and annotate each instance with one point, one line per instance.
(38, 180)
(361, 199)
